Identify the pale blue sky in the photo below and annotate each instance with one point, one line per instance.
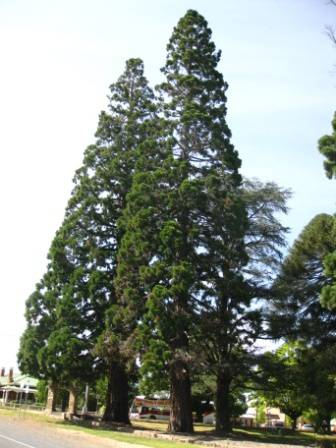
(59, 57)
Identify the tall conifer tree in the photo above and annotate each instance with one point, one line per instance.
(98, 201)
(327, 147)
(211, 216)
(191, 195)
(84, 251)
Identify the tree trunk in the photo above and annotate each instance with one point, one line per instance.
(120, 395)
(294, 422)
(116, 404)
(325, 425)
(65, 402)
(180, 398)
(73, 396)
(107, 416)
(85, 407)
(223, 406)
(52, 398)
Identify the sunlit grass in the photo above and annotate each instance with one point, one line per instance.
(162, 426)
(248, 434)
(132, 438)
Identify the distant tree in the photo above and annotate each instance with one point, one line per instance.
(297, 312)
(330, 29)
(327, 147)
(318, 366)
(283, 381)
(42, 392)
(204, 391)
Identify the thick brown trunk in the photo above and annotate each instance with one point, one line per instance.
(116, 404)
(223, 406)
(294, 422)
(180, 398)
(73, 396)
(325, 425)
(120, 395)
(52, 398)
(107, 416)
(65, 403)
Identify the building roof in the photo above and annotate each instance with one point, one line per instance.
(25, 380)
(19, 380)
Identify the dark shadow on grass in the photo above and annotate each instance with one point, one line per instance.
(287, 437)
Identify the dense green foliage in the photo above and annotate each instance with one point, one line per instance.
(327, 147)
(83, 256)
(283, 381)
(196, 238)
(298, 312)
(159, 277)
(299, 316)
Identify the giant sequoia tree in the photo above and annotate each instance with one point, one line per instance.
(163, 246)
(97, 204)
(84, 252)
(192, 216)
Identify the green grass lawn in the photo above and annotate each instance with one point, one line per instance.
(201, 432)
(132, 438)
(162, 426)
(286, 437)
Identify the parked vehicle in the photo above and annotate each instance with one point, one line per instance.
(307, 427)
(151, 409)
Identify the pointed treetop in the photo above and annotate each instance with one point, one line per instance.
(195, 94)
(190, 46)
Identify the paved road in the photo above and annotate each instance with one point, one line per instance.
(18, 432)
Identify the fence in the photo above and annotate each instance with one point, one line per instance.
(22, 406)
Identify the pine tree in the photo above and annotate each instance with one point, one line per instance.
(327, 147)
(230, 320)
(297, 312)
